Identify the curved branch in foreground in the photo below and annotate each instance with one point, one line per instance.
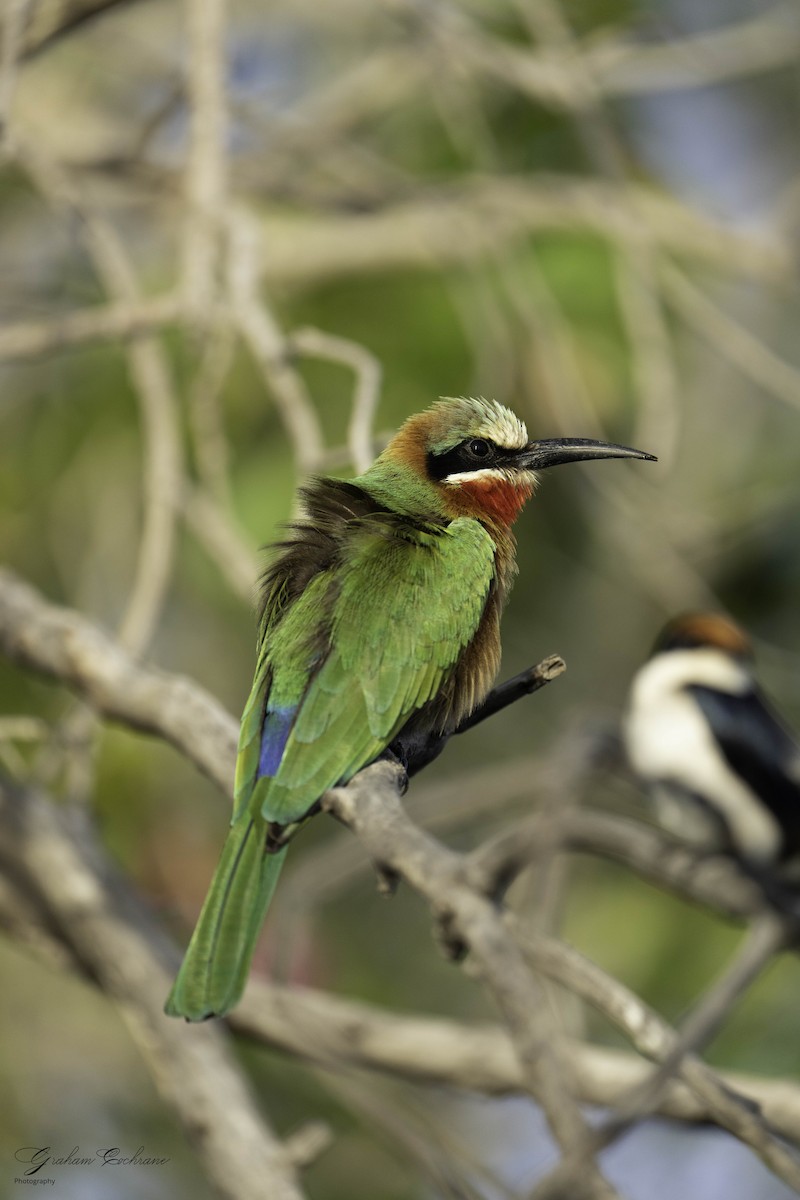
(332, 1031)
(109, 932)
(370, 806)
(68, 647)
(61, 643)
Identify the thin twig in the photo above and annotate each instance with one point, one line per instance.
(367, 369)
(36, 339)
(223, 541)
(205, 176)
(162, 472)
(206, 422)
(262, 334)
(109, 931)
(731, 339)
(769, 934)
(654, 1038)
(12, 25)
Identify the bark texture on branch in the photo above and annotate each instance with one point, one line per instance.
(109, 932)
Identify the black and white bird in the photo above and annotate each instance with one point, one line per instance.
(720, 765)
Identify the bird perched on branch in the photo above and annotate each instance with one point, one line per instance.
(379, 630)
(722, 768)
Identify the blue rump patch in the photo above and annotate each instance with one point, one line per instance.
(274, 734)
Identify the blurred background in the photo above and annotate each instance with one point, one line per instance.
(589, 211)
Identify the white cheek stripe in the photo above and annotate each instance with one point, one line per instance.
(516, 478)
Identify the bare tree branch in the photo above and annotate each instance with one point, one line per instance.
(64, 645)
(110, 934)
(318, 344)
(470, 220)
(261, 333)
(49, 20)
(35, 339)
(316, 200)
(370, 806)
(330, 1030)
(152, 379)
(205, 173)
(764, 43)
(654, 1038)
(61, 643)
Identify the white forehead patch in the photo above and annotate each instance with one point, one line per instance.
(488, 419)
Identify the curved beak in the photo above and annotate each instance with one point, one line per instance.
(550, 452)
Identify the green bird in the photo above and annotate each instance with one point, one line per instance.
(379, 630)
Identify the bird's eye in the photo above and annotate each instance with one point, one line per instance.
(479, 448)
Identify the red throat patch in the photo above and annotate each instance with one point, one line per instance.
(496, 499)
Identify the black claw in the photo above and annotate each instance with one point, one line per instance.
(394, 754)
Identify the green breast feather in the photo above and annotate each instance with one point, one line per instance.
(363, 647)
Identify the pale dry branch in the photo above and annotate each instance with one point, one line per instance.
(370, 806)
(66, 646)
(222, 540)
(205, 177)
(151, 375)
(713, 881)
(48, 20)
(12, 24)
(71, 649)
(330, 1030)
(618, 65)
(654, 1038)
(35, 339)
(108, 931)
(624, 66)
(262, 334)
(23, 729)
(731, 340)
(367, 369)
(767, 937)
(469, 220)
(206, 421)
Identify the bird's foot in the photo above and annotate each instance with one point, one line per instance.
(394, 754)
(450, 942)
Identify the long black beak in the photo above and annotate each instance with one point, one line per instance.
(549, 452)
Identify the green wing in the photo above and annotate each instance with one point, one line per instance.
(406, 603)
(341, 668)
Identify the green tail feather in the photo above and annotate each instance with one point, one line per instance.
(217, 962)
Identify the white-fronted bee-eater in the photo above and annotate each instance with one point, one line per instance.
(379, 627)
